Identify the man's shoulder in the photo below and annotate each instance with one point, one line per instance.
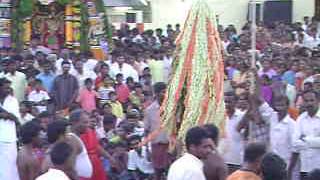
(302, 116)
(239, 175)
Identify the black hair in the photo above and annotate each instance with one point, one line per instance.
(55, 129)
(213, 132)
(65, 62)
(4, 81)
(75, 115)
(104, 65)
(254, 151)
(280, 98)
(273, 167)
(195, 136)
(109, 119)
(106, 104)
(312, 91)
(119, 75)
(44, 114)
(60, 153)
(38, 81)
(28, 131)
(112, 93)
(137, 85)
(314, 174)
(129, 79)
(87, 81)
(158, 87)
(133, 138)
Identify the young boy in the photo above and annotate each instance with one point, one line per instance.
(87, 96)
(39, 97)
(105, 89)
(117, 108)
(139, 163)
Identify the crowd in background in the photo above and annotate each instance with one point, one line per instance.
(75, 117)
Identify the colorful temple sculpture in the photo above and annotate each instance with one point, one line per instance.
(56, 24)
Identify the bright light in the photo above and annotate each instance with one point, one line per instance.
(122, 9)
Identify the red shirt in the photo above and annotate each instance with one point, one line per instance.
(123, 93)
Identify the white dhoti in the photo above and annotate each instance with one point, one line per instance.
(8, 161)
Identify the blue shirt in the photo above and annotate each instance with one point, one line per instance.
(289, 77)
(47, 80)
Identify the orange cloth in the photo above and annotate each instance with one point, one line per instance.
(243, 175)
(294, 113)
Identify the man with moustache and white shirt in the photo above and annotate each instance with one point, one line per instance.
(9, 118)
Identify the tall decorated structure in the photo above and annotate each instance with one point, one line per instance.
(195, 92)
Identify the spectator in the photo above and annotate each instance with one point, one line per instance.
(116, 106)
(190, 165)
(18, 79)
(122, 90)
(105, 89)
(47, 76)
(81, 74)
(79, 124)
(139, 163)
(306, 139)
(87, 96)
(160, 145)
(253, 155)
(120, 67)
(214, 166)
(273, 167)
(65, 88)
(62, 160)
(28, 163)
(9, 119)
(39, 97)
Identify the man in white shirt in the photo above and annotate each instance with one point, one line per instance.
(190, 165)
(9, 116)
(234, 142)
(39, 97)
(62, 159)
(139, 161)
(123, 68)
(89, 63)
(307, 134)
(18, 79)
(82, 74)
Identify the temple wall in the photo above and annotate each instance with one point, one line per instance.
(229, 11)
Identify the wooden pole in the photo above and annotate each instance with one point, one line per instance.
(253, 33)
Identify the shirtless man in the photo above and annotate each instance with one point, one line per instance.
(28, 162)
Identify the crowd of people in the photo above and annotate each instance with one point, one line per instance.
(65, 115)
